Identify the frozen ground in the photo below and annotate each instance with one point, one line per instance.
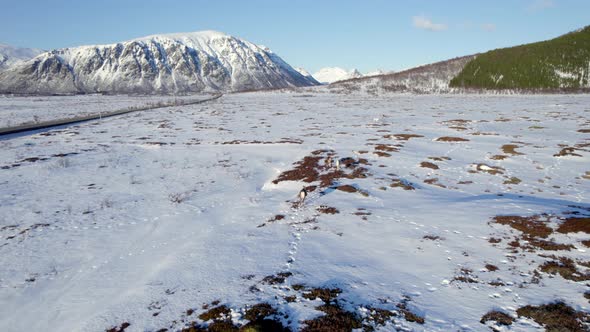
(151, 218)
(16, 111)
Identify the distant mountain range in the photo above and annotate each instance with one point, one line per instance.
(560, 63)
(213, 61)
(10, 55)
(170, 63)
(432, 78)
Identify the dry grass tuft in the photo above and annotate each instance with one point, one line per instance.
(556, 317)
(451, 139)
(498, 317)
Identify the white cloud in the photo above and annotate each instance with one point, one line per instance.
(540, 5)
(489, 27)
(422, 22)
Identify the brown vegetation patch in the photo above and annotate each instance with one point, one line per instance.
(432, 237)
(586, 175)
(327, 209)
(427, 164)
(404, 137)
(400, 183)
(386, 147)
(511, 149)
(584, 131)
(382, 154)
(556, 317)
(569, 151)
(443, 158)
(586, 243)
(279, 278)
(119, 328)
(466, 276)
(409, 315)
(494, 240)
(451, 139)
(498, 157)
(434, 182)
(546, 245)
(574, 225)
(494, 170)
(324, 294)
(335, 319)
(498, 317)
(513, 180)
(217, 313)
(566, 268)
(532, 225)
(491, 267)
(347, 188)
(305, 170)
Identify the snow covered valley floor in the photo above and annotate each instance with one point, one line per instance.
(424, 213)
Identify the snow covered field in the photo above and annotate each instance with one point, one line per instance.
(188, 216)
(16, 111)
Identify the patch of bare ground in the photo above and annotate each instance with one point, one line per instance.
(278, 278)
(584, 131)
(511, 149)
(327, 209)
(493, 170)
(278, 217)
(434, 182)
(120, 328)
(403, 137)
(574, 225)
(401, 183)
(305, 170)
(556, 317)
(281, 141)
(498, 157)
(465, 276)
(566, 268)
(351, 189)
(408, 314)
(498, 317)
(320, 167)
(432, 237)
(586, 175)
(491, 267)
(451, 139)
(260, 320)
(533, 226)
(568, 151)
(443, 158)
(513, 180)
(427, 164)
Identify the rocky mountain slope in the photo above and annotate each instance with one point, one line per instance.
(171, 63)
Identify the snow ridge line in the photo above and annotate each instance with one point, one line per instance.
(96, 116)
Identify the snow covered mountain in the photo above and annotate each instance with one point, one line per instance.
(10, 55)
(431, 78)
(332, 74)
(306, 74)
(170, 63)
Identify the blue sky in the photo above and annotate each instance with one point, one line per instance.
(367, 35)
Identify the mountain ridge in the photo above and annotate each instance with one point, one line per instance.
(164, 63)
